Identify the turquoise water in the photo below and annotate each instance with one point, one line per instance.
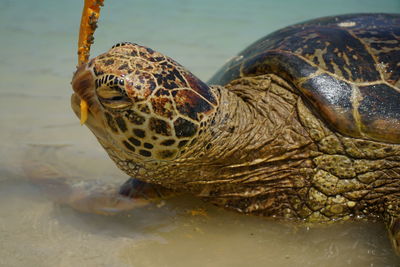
(37, 58)
(202, 35)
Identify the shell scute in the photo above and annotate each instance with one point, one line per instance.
(333, 101)
(385, 45)
(347, 67)
(325, 48)
(379, 111)
(290, 66)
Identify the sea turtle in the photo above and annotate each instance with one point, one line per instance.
(304, 124)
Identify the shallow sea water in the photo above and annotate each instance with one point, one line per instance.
(37, 58)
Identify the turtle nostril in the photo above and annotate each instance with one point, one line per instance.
(82, 82)
(81, 85)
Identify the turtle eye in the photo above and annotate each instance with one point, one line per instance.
(113, 97)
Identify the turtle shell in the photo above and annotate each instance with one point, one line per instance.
(346, 67)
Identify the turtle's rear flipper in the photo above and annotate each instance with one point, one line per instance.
(392, 217)
(394, 233)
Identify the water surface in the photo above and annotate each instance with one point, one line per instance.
(37, 58)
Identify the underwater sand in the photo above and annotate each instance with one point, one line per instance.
(37, 58)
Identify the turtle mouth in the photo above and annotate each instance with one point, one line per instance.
(83, 85)
(93, 121)
(75, 104)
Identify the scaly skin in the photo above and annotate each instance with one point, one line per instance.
(254, 145)
(291, 165)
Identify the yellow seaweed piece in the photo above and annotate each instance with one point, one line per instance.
(84, 111)
(90, 16)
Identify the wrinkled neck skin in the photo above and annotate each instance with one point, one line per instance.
(255, 153)
(264, 152)
(252, 145)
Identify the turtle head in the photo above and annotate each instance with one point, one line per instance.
(142, 104)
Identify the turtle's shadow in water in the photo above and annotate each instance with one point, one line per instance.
(55, 169)
(141, 221)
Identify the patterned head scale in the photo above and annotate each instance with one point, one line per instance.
(151, 106)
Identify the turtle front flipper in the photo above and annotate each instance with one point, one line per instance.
(111, 199)
(392, 217)
(136, 189)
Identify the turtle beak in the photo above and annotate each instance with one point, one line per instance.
(83, 83)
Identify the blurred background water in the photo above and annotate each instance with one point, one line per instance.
(37, 57)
